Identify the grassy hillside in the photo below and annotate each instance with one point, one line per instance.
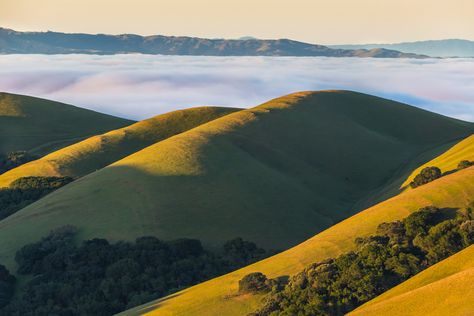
(275, 174)
(42, 126)
(449, 160)
(443, 289)
(212, 297)
(99, 151)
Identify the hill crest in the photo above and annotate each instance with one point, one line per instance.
(41, 126)
(99, 151)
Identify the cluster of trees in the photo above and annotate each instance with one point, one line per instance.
(27, 190)
(429, 174)
(398, 251)
(15, 159)
(101, 278)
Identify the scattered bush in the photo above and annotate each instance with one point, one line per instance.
(15, 159)
(426, 175)
(429, 174)
(7, 283)
(465, 164)
(255, 282)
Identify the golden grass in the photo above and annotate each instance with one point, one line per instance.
(449, 160)
(443, 289)
(10, 106)
(217, 295)
(99, 151)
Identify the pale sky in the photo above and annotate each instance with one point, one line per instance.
(315, 21)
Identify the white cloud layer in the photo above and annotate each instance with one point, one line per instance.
(141, 86)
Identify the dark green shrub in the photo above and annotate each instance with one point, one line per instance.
(395, 231)
(467, 232)
(465, 164)
(40, 183)
(419, 222)
(7, 284)
(15, 159)
(255, 282)
(426, 175)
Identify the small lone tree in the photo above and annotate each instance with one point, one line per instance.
(465, 164)
(426, 175)
(255, 282)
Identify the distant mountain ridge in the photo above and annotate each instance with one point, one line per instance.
(13, 42)
(435, 48)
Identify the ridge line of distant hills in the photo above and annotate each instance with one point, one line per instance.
(435, 48)
(14, 42)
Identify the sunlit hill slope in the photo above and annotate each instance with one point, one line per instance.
(443, 289)
(441, 286)
(449, 160)
(99, 151)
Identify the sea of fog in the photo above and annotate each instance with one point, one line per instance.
(140, 86)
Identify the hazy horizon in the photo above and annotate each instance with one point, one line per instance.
(237, 38)
(320, 21)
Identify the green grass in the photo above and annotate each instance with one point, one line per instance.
(276, 174)
(99, 151)
(443, 289)
(42, 126)
(221, 294)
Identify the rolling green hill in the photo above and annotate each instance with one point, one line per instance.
(42, 126)
(211, 298)
(443, 289)
(99, 151)
(275, 174)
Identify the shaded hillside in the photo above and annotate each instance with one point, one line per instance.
(444, 289)
(99, 151)
(275, 174)
(435, 48)
(41, 126)
(210, 298)
(13, 42)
